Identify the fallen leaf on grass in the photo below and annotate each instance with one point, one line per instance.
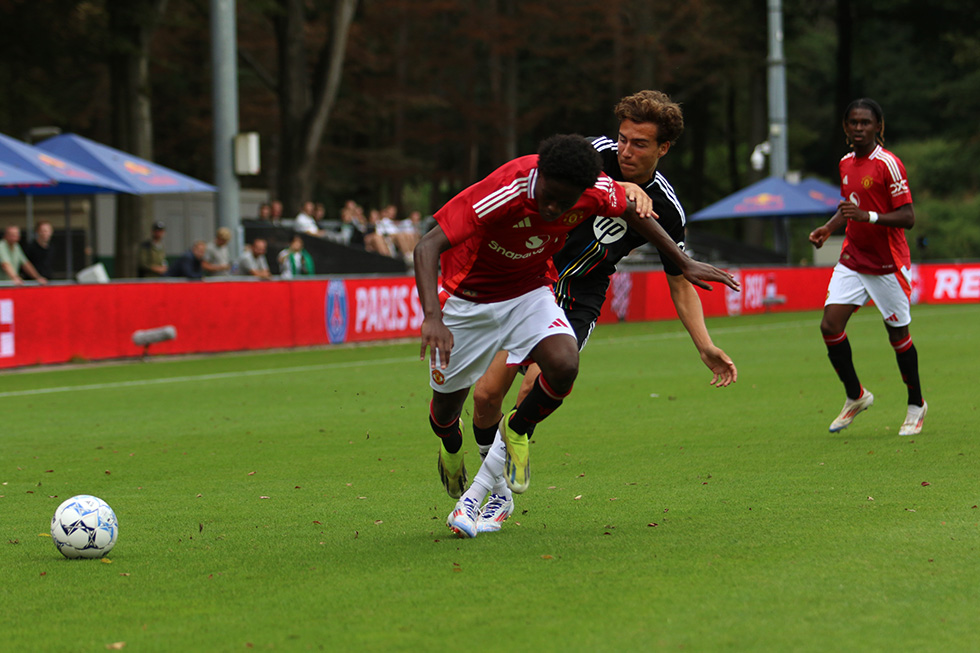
(578, 497)
(124, 574)
(547, 557)
(653, 524)
(105, 561)
(926, 483)
(378, 521)
(49, 534)
(871, 498)
(251, 474)
(263, 497)
(115, 646)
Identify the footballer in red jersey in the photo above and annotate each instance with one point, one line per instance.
(495, 241)
(874, 263)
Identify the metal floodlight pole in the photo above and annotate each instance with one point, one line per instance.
(779, 151)
(225, 99)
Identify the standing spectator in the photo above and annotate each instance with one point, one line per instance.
(217, 260)
(305, 222)
(874, 264)
(13, 259)
(295, 261)
(252, 262)
(152, 255)
(39, 250)
(191, 264)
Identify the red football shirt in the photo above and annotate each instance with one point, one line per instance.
(876, 182)
(501, 247)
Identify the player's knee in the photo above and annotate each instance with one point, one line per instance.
(561, 374)
(486, 399)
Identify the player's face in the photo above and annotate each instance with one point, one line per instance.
(861, 126)
(554, 197)
(639, 150)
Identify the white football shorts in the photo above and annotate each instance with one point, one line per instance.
(889, 292)
(481, 330)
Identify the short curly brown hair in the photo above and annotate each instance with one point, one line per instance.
(655, 107)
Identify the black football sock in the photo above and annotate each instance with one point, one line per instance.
(540, 402)
(484, 436)
(450, 434)
(839, 353)
(908, 365)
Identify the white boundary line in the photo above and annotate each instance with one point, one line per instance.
(921, 312)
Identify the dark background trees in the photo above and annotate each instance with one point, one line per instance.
(414, 99)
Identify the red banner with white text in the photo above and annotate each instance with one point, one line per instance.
(64, 323)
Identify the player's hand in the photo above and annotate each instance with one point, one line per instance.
(700, 274)
(721, 366)
(850, 211)
(819, 236)
(439, 340)
(639, 198)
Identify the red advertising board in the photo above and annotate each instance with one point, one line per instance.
(62, 323)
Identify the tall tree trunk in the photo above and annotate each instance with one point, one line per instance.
(305, 103)
(131, 24)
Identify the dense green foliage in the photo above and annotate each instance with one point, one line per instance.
(434, 94)
(290, 501)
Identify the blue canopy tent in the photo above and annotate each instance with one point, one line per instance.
(58, 177)
(13, 176)
(773, 197)
(141, 177)
(821, 191)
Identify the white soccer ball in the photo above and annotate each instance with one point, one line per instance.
(84, 527)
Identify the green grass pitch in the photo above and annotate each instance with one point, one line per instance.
(289, 501)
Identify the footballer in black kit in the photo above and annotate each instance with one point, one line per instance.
(593, 249)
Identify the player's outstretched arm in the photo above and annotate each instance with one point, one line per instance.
(820, 235)
(700, 274)
(435, 335)
(691, 314)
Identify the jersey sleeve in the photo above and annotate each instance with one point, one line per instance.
(671, 221)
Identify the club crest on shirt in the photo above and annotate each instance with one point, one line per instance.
(572, 218)
(438, 377)
(867, 182)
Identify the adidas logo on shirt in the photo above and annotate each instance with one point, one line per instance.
(523, 224)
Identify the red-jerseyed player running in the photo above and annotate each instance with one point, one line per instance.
(874, 262)
(495, 241)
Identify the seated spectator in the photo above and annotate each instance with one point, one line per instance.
(373, 240)
(13, 259)
(217, 260)
(265, 212)
(39, 252)
(306, 223)
(276, 207)
(152, 255)
(353, 226)
(407, 234)
(295, 261)
(191, 264)
(252, 262)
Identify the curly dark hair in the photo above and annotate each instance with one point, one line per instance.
(873, 107)
(569, 158)
(655, 107)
